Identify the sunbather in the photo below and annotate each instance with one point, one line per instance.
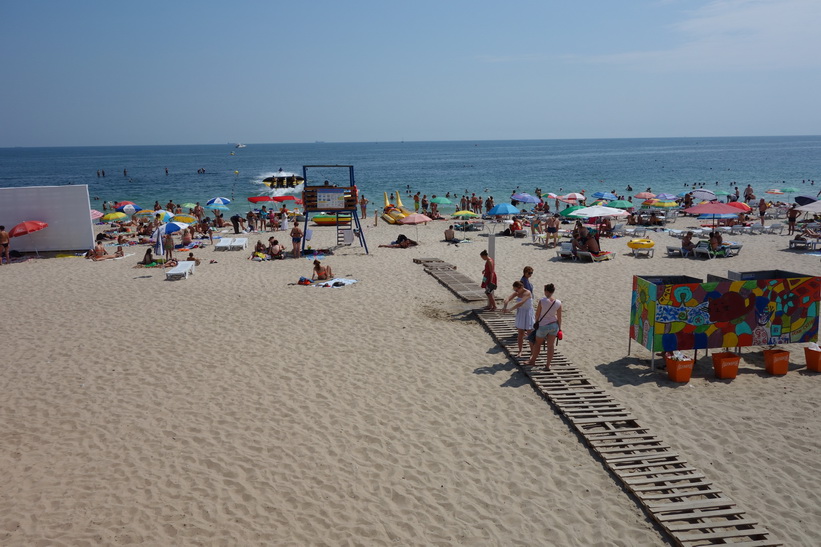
(321, 273)
(687, 244)
(450, 235)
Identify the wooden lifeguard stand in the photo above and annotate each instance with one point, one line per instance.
(339, 200)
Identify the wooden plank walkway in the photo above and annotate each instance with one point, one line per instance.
(690, 508)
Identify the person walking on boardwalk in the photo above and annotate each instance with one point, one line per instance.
(489, 280)
(548, 325)
(524, 311)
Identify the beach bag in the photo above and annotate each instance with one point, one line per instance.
(531, 337)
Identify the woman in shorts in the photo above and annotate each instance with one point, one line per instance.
(549, 317)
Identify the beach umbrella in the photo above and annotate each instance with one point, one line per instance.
(712, 209)
(645, 195)
(503, 209)
(185, 219)
(742, 206)
(216, 207)
(129, 208)
(188, 205)
(667, 197)
(599, 211)
(284, 198)
(705, 195)
(28, 227)
(621, 204)
(465, 214)
(415, 219)
(144, 213)
(122, 204)
(259, 199)
(525, 198)
(789, 190)
(605, 195)
(712, 217)
(574, 196)
(814, 207)
(800, 200)
(550, 195)
(168, 228)
(164, 215)
(721, 193)
(218, 201)
(441, 201)
(113, 216)
(95, 214)
(775, 191)
(569, 211)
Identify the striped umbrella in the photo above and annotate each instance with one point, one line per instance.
(218, 201)
(114, 216)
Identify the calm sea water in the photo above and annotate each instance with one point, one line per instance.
(483, 167)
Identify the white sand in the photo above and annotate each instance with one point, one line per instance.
(233, 408)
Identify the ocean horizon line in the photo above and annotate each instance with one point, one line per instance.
(407, 141)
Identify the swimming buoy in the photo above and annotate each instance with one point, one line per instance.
(641, 243)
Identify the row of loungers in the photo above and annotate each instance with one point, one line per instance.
(702, 250)
(231, 244)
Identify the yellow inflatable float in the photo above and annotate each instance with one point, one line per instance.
(642, 243)
(393, 213)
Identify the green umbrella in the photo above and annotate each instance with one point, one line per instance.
(621, 204)
(721, 193)
(568, 213)
(789, 190)
(441, 201)
(188, 205)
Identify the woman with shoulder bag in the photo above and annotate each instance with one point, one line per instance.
(549, 322)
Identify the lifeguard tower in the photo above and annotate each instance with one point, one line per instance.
(340, 201)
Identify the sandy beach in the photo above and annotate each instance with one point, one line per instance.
(236, 407)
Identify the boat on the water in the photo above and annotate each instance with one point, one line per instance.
(239, 145)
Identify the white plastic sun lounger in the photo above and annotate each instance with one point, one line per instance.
(182, 269)
(239, 244)
(224, 244)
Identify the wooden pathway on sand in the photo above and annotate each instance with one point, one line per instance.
(688, 506)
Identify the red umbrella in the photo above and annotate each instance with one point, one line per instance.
(283, 198)
(27, 227)
(258, 199)
(743, 206)
(123, 204)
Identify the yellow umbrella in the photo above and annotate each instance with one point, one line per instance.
(114, 216)
(188, 219)
(465, 213)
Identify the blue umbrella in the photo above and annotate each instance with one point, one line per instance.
(525, 198)
(805, 199)
(605, 195)
(218, 201)
(217, 207)
(129, 208)
(666, 197)
(169, 228)
(504, 209)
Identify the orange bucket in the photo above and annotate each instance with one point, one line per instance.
(813, 358)
(725, 364)
(777, 361)
(679, 371)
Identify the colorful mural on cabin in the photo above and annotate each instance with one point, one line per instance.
(724, 314)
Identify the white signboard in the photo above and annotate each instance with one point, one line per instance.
(330, 198)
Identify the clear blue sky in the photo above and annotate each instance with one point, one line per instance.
(148, 72)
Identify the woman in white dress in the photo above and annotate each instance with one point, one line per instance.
(524, 311)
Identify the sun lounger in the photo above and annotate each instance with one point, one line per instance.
(239, 244)
(565, 251)
(803, 244)
(224, 244)
(182, 269)
(585, 256)
(673, 250)
(771, 229)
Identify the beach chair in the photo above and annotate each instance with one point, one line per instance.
(771, 229)
(732, 249)
(239, 244)
(602, 256)
(618, 230)
(638, 231)
(565, 251)
(801, 244)
(224, 244)
(672, 250)
(182, 269)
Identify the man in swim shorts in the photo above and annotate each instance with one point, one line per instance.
(4, 245)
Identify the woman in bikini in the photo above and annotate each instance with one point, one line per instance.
(322, 273)
(296, 239)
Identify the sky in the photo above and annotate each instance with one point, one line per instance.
(95, 73)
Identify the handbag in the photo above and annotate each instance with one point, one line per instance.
(531, 337)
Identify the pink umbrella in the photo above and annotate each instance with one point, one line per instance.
(95, 214)
(415, 218)
(645, 195)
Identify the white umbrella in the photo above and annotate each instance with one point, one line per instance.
(702, 194)
(814, 207)
(600, 211)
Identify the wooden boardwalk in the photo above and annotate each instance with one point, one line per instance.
(689, 507)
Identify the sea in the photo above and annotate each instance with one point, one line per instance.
(197, 173)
